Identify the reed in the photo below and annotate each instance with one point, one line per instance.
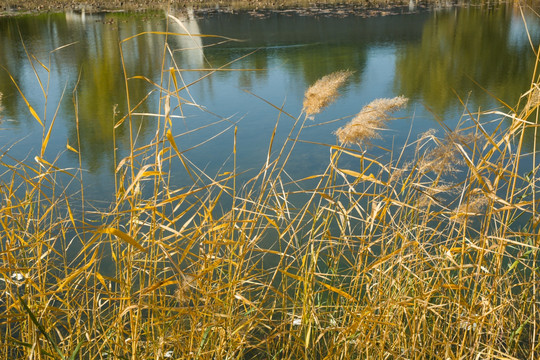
(324, 92)
(364, 127)
(384, 260)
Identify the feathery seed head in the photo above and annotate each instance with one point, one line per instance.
(474, 206)
(371, 118)
(324, 91)
(533, 100)
(444, 158)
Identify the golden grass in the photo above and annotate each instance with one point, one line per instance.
(383, 260)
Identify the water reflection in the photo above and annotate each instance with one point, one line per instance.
(458, 48)
(426, 56)
(191, 46)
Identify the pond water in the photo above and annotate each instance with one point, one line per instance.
(434, 57)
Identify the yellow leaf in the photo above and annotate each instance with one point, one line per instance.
(151, 173)
(296, 277)
(170, 137)
(32, 111)
(101, 279)
(71, 148)
(170, 281)
(338, 291)
(77, 272)
(122, 235)
(363, 177)
(218, 227)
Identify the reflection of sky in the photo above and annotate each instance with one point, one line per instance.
(517, 34)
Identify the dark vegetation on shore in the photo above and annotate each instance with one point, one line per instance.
(315, 7)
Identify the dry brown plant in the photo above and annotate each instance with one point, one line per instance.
(324, 91)
(444, 158)
(429, 194)
(185, 286)
(533, 97)
(373, 117)
(474, 206)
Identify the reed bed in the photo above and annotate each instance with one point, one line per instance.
(427, 252)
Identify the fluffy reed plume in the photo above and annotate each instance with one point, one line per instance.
(445, 157)
(324, 91)
(474, 206)
(371, 118)
(533, 97)
(183, 291)
(430, 194)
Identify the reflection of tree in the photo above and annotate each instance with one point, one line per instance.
(96, 55)
(39, 33)
(102, 89)
(309, 61)
(457, 47)
(308, 46)
(312, 46)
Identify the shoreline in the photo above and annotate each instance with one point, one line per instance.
(305, 7)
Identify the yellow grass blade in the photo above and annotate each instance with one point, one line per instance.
(47, 137)
(69, 147)
(30, 108)
(78, 272)
(362, 177)
(338, 291)
(122, 235)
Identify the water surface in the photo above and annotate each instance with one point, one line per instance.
(437, 58)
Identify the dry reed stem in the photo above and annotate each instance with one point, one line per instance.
(372, 118)
(324, 91)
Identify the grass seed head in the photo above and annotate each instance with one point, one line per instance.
(324, 91)
(184, 290)
(445, 158)
(533, 100)
(373, 117)
(474, 206)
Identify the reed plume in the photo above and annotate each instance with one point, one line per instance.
(533, 97)
(369, 120)
(445, 158)
(324, 91)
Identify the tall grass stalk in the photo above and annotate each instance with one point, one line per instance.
(387, 259)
